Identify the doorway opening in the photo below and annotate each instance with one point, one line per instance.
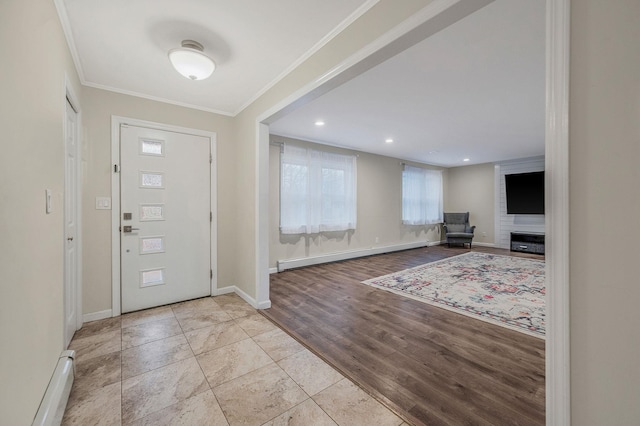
(556, 182)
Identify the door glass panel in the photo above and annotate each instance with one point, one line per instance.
(151, 212)
(151, 147)
(151, 277)
(149, 245)
(151, 180)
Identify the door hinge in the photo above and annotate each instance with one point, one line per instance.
(116, 169)
(210, 159)
(210, 274)
(210, 216)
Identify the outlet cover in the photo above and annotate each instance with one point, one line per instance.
(103, 203)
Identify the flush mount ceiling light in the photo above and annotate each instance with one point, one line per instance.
(319, 123)
(189, 60)
(388, 140)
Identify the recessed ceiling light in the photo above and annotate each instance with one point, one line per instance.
(388, 140)
(465, 160)
(319, 123)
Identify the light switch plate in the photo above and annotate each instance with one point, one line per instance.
(103, 203)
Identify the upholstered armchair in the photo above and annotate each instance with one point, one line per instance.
(457, 229)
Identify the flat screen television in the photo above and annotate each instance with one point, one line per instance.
(525, 193)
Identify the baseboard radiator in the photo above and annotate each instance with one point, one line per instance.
(283, 265)
(56, 396)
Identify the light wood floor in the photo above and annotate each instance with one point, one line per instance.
(430, 365)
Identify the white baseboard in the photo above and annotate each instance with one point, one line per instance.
(95, 316)
(264, 305)
(250, 300)
(273, 270)
(57, 393)
(224, 290)
(483, 244)
(283, 265)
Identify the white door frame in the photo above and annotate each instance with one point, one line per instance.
(72, 99)
(116, 121)
(558, 402)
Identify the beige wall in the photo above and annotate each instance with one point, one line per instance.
(379, 193)
(471, 188)
(604, 120)
(34, 62)
(99, 106)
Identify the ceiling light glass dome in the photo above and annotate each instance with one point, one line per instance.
(189, 61)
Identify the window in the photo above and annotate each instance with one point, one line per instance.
(421, 196)
(317, 191)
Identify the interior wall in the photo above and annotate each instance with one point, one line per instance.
(604, 148)
(100, 105)
(35, 60)
(471, 189)
(379, 207)
(382, 17)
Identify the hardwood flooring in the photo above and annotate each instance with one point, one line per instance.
(431, 366)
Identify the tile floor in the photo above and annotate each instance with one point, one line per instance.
(210, 361)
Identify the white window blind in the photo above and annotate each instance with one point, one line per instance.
(421, 196)
(317, 191)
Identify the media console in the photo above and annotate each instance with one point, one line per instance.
(527, 242)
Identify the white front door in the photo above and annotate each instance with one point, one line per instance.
(70, 224)
(165, 217)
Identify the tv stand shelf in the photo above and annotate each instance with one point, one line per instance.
(527, 242)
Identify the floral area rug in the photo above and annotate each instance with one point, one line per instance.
(504, 290)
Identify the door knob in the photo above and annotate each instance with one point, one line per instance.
(128, 228)
(70, 239)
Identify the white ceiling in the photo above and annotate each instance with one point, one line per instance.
(474, 90)
(122, 45)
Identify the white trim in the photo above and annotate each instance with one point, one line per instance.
(337, 145)
(115, 215)
(262, 220)
(273, 271)
(213, 171)
(283, 265)
(74, 101)
(116, 122)
(224, 290)
(479, 244)
(56, 396)
(497, 223)
(250, 300)
(68, 35)
(156, 98)
(558, 371)
(263, 305)
(95, 316)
